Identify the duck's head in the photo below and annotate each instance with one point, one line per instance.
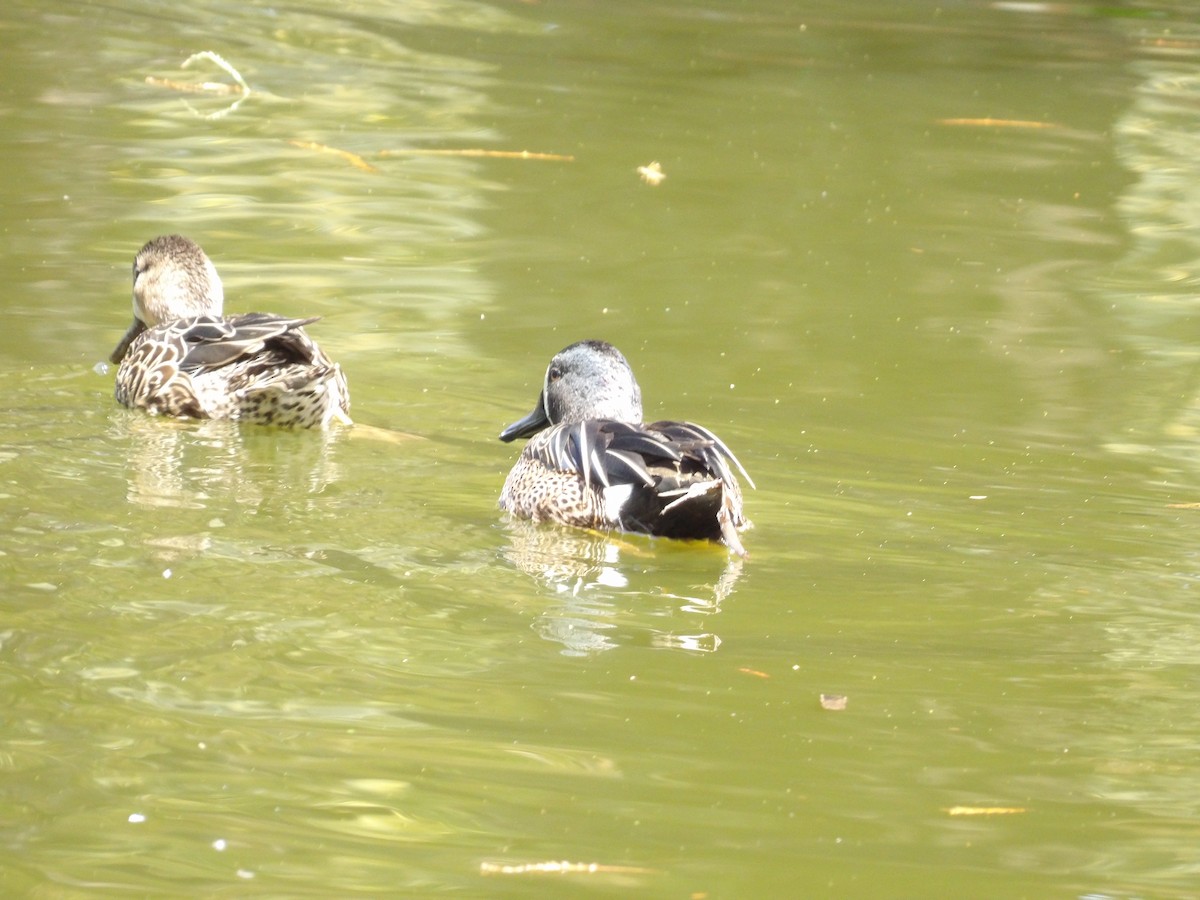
(585, 381)
(172, 279)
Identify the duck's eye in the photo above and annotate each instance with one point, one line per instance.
(554, 374)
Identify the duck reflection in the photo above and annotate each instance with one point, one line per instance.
(197, 464)
(605, 592)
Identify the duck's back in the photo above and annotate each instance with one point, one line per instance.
(256, 367)
(668, 478)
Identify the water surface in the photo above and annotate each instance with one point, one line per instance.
(928, 269)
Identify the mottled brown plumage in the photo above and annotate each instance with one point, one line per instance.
(183, 357)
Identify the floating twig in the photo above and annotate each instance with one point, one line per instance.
(219, 61)
(193, 87)
(353, 158)
(240, 88)
(560, 868)
(997, 123)
(492, 154)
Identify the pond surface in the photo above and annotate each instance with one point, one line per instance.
(929, 269)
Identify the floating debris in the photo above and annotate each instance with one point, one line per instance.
(240, 88)
(835, 702)
(997, 123)
(985, 810)
(194, 87)
(353, 158)
(479, 152)
(652, 174)
(360, 163)
(559, 868)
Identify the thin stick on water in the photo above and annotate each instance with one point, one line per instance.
(360, 163)
(353, 158)
(493, 154)
(208, 87)
(242, 90)
(219, 61)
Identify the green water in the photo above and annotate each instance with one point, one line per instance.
(958, 357)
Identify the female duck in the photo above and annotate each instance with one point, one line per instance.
(182, 357)
(591, 462)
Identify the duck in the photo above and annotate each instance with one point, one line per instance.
(183, 357)
(592, 463)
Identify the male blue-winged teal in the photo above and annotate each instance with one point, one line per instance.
(591, 462)
(183, 357)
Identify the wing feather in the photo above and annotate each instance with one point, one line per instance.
(607, 452)
(212, 343)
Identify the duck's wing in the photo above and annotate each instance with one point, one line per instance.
(152, 374)
(205, 366)
(213, 343)
(601, 451)
(668, 478)
(697, 443)
(608, 453)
